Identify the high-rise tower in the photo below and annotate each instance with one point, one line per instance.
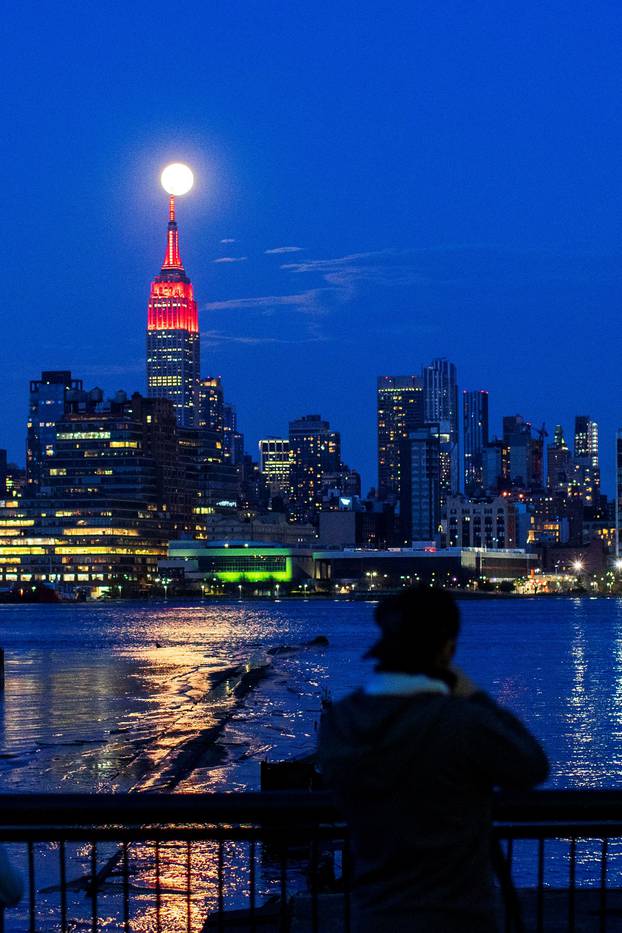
(475, 435)
(314, 450)
(173, 350)
(586, 479)
(440, 393)
(400, 410)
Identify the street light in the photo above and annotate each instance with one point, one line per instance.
(165, 583)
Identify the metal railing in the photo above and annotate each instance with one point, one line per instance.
(277, 861)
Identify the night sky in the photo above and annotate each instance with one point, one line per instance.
(377, 184)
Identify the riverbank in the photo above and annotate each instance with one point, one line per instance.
(356, 596)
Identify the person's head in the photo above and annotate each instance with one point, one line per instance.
(419, 632)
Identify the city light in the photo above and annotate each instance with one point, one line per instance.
(577, 566)
(177, 178)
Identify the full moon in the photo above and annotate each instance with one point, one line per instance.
(177, 178)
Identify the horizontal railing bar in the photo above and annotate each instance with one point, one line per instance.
(173, 834)
(139, 808)
(592, 808)
(546, 805)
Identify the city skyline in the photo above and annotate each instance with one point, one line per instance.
(173, 371)
(439, 219)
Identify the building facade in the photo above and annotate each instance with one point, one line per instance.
(475, 439)
(46, 405)
(481, 523)
(399, 408)
(211, 405)
(233, 442)
(314, 450)
(559, 465)
(440, 393)
(420, 499)
(274, 464)
(496, 467)
(115, 484)
(526, 452)
(586, 474)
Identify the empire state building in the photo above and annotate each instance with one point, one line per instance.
(173, 349)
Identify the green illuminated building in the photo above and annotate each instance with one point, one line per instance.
(231, 562)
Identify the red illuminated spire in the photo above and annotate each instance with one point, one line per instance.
(171, 302)
(172, 259)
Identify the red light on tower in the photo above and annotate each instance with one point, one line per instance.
(173, 365)
(171, 301)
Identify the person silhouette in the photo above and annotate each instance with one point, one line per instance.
(414, 757)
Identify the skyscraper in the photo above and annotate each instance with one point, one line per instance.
(399, 410)
(173, 349)
(314, 450)
(233, 439)
(586, 439)
(47, 404)
(420, 496)
(440, 392)
(274, 464)
(586, 478)
(496, 467)
(211, 404)
(526, 452)
(475, 432)
(559, 462)
(219, 479)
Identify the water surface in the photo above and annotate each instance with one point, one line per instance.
(104, 696)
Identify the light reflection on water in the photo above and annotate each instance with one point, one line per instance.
(92, 703)
(166, 874)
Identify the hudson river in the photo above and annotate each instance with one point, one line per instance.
(154, 696)
(192, 696)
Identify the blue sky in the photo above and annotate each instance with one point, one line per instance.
(388, 182)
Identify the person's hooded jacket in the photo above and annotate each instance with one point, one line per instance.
(414, 769)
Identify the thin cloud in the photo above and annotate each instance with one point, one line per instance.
(305, 302)
(231, 259)
(228, 240)
(343, 279)
(215, 337)
(283, 249)
(328, 265)
(345, 274)
(456, 264)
